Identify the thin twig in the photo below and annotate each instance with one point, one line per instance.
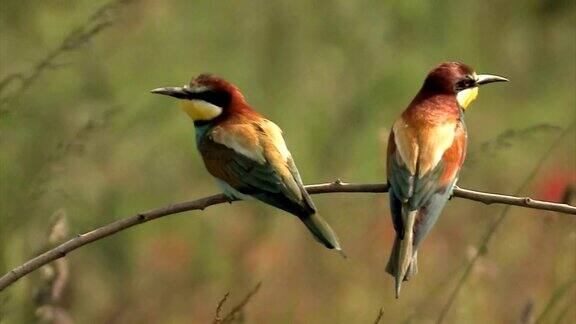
(202, 203)
(103, 18)
(54, 279)
(380, 315)
(527, 314)
(483, 245)
(238, 309)
(218, 317)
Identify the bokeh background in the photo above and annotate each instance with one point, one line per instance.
(84, 140)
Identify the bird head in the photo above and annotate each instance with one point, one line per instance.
(458, 79)
(205, 98)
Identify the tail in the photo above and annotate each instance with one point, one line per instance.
(322, 232)
(403, 263)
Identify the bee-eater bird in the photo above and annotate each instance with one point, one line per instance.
(246, 152)
(426, 149)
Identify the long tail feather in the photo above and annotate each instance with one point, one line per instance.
(412, 268)
(322, 232)
(402, 263)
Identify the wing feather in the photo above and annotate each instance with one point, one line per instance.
(429, 189)
(422, 161)
(259, 164)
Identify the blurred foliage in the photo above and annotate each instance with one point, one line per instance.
(88, 139)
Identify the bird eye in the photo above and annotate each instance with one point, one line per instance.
(466, 83)
(217, 98)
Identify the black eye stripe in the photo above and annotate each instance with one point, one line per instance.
(466, 83)
(217, 98)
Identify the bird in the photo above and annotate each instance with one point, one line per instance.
(246, 152)
(426, 150)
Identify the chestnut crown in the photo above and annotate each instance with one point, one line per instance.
(458, 79)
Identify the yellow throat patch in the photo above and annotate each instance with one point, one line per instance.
(466, 96)
(200, 109)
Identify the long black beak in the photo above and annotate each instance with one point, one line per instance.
(176, 92)
(488, 78)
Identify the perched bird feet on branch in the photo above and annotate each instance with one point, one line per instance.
(452, 192)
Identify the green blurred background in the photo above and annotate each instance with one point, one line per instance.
(87, 140)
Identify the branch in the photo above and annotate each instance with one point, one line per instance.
(491, 198)
(218, 317)
(237, 311)
(202, 203)
(380, 315)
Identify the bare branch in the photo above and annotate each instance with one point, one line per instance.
(54, 279)
(218, 317)
(200, 204)
(380, 315)
(527, 314)
(491, 198)
(237, 310)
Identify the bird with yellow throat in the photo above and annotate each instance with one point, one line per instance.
(426, 149)
(246, 152)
